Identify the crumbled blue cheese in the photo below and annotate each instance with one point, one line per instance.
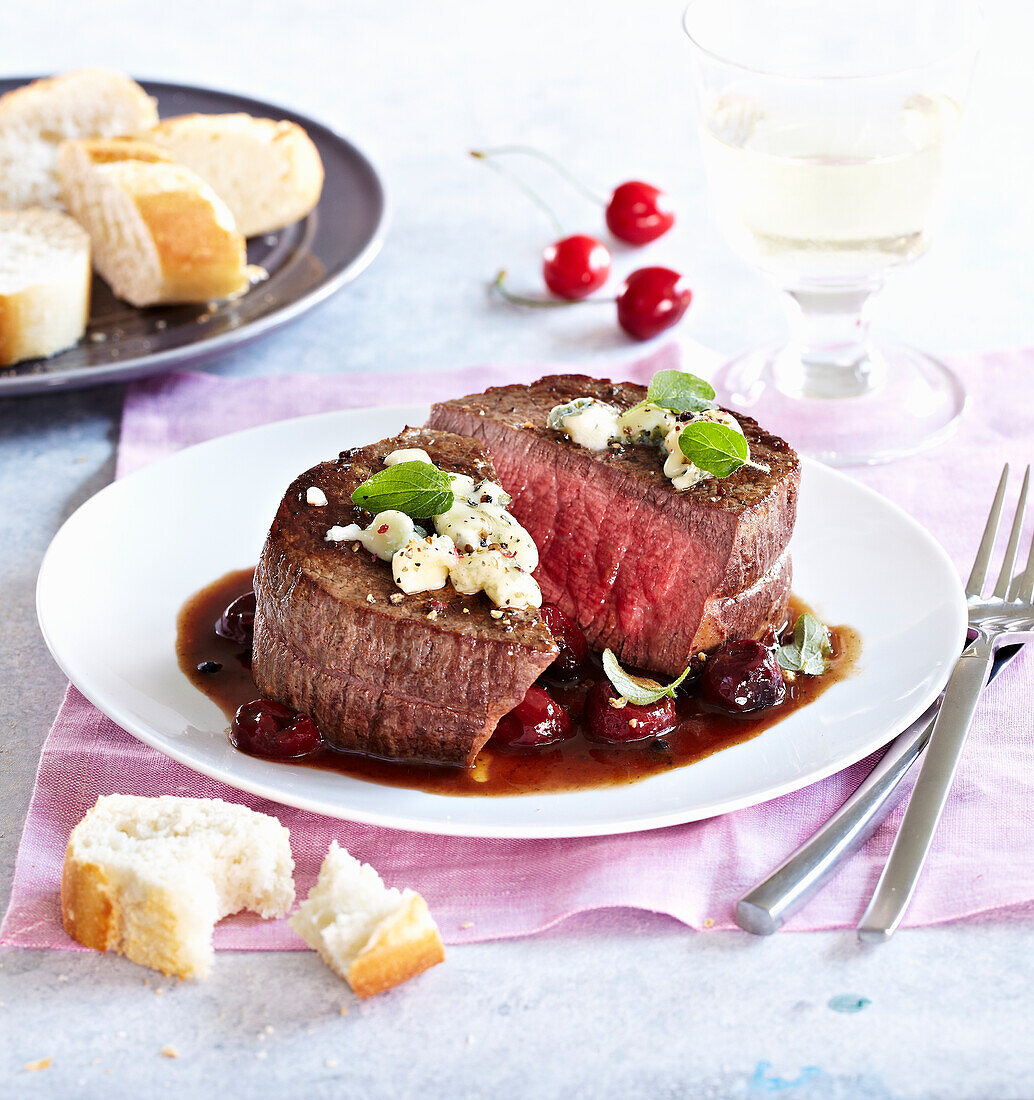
(479, 546)
(408, 454)
(424, 564)
(316, 497)
(683, 473)
(647, 424)
(478, 519)
(387, 533)
(499, 576)
(595, 425)
(589, 423)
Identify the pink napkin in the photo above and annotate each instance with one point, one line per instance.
(983, 857)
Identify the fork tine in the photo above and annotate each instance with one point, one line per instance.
(1013, 585)
(1005, 577)
(975, 584)
(1024, 584)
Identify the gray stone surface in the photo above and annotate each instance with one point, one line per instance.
(617, 1005)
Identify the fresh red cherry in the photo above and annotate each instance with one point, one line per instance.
(537, 721)
(264, 727)
(652, 300)
(608, 724)
(237, 622)
(742, 676)
(575, 266)
(639, 212)
(570, 641)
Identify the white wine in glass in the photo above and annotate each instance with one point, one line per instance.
(827, 131)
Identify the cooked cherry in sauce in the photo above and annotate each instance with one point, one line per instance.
(566, 734)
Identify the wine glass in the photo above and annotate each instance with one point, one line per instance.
(827, 129)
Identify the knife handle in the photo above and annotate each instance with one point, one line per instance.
(915, 834)
(772, 902)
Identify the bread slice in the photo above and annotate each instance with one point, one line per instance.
(44, 283)
(159, 232)
(268, 173)
(149, 877)
(37, 117)
(372, 935)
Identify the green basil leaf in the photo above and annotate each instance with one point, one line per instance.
(416, 488)
(810, 650)
(640, 690)
(680, 392)
(715, 448)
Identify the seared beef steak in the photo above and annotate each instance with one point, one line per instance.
(425, 678)
(653, 573)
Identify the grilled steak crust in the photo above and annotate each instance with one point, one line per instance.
(654, 573)
(423, 679)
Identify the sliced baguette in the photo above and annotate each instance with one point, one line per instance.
(159, 232)
(372, 935)
(44, 283)
(268, 173)
(37, 117)
(149, 877)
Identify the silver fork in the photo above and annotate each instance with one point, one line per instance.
(1002, 618)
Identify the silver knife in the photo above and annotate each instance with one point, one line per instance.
(764, 909)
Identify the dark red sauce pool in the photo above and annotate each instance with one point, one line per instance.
(571, 764)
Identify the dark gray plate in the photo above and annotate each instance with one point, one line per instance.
(306, 262)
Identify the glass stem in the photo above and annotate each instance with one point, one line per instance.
(829, 354)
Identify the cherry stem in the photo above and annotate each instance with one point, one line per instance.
(521, 186)
(531, 151)
(499, 284)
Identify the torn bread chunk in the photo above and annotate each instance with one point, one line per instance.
(150, 877)
(372, 935)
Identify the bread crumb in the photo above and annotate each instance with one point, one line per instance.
(496, 613)
(344, 1010)
(432, 615)
(370, 598)
(269, 1029)
(466, 611)
(467, 924)
(169, 1051)
(330, 1063)
(159, 991)
(396, 598)
(709, 922)
(619, 702)
(32, 1067)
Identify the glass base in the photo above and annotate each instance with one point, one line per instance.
(906, 402)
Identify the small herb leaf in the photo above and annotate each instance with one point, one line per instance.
(639, 690)
(810, 650)
(680, 391)
(714, 448)
(416, 488)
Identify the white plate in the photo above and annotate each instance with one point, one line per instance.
(121, 567)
